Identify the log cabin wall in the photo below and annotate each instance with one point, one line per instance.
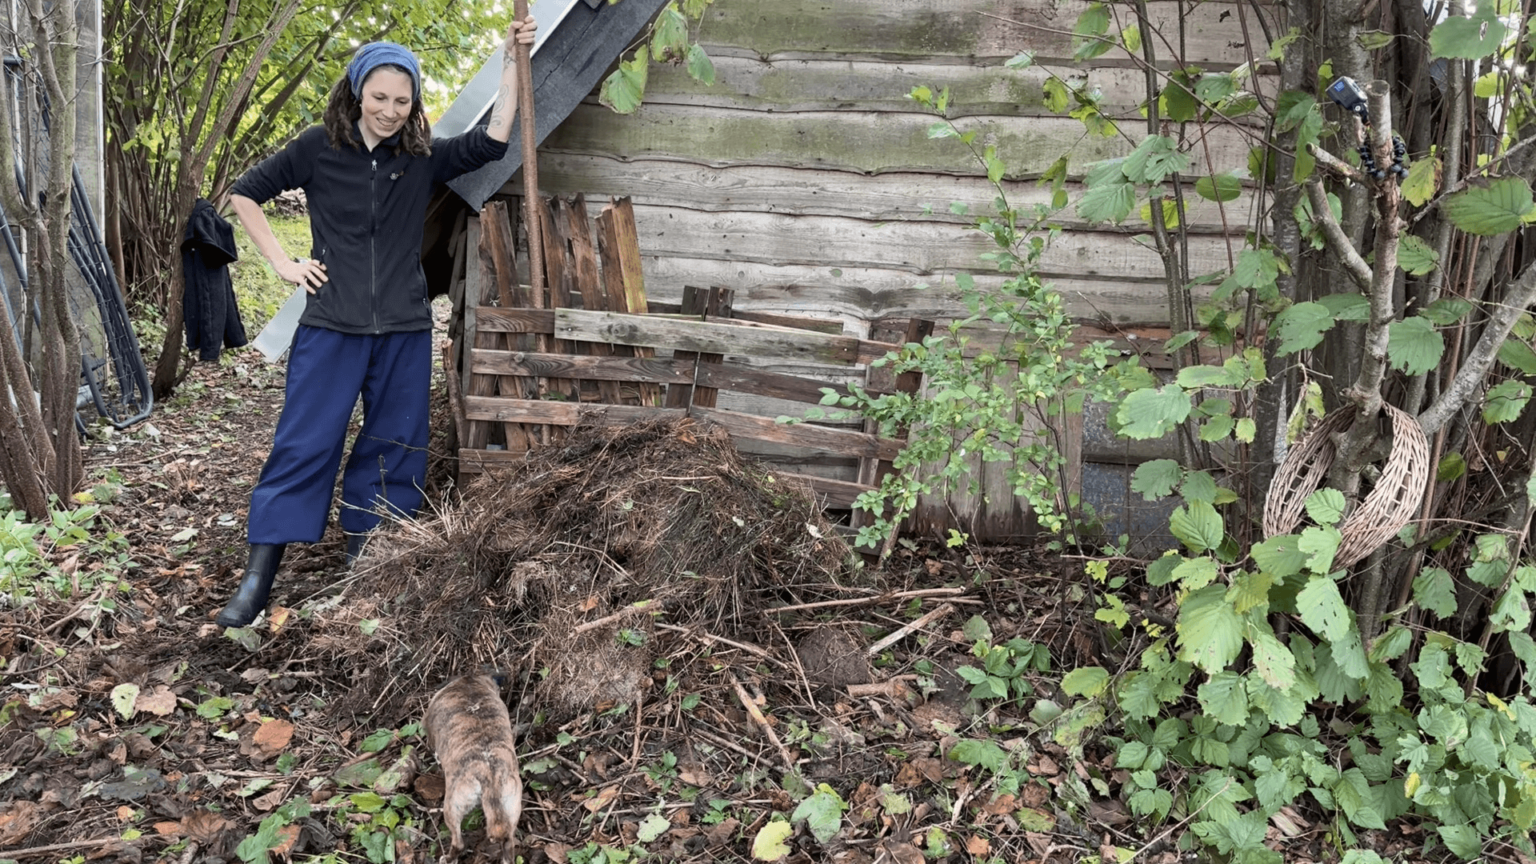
(806, 181)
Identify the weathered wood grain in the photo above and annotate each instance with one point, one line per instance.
(494, 319)
(649, 369)
(753, 83)
(922, 198)
(577, 230)
(496, 408)
(618, 248)
(857, 295)
(821, 438)
(923, 29)
(833, 242)
(862, 142)
(618, 329)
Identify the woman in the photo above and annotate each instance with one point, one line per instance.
(368, 174)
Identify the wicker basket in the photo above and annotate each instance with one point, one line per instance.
(1392, 504)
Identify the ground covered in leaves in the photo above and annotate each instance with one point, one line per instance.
(700, 670)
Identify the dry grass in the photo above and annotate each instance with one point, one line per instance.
(563, 563)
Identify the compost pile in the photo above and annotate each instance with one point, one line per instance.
(567, 563)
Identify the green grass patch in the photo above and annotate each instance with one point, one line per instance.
(257, 287)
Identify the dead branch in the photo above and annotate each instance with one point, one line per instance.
(871, 600)
(904, 632)
(1470, 377)
(762, 722)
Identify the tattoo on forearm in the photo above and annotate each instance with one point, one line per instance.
(497, 110)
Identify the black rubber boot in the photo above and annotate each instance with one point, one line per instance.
(251, 598)
(355, 544)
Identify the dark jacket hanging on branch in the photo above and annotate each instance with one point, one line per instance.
(212, 316)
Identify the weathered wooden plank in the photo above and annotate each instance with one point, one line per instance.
(479, 288)
(560, 274)
(577, 230)
(834, 242)
(693, 305)
(755, 83)
(562, 413)
(822, 438)
(701, 336)
(718, 303)
(494, 319)
(776, 385)
(676, 181)
(648, 369)
(499, 246)
(857, 295)
(924, 29)
(862, 142)
(833, 494)
(618, 247)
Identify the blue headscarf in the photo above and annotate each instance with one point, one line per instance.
(376, 54)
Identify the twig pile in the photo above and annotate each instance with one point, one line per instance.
(564, 563)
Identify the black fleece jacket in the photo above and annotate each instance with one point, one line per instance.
(366, 214)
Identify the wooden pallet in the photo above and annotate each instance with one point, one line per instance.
(594, 351)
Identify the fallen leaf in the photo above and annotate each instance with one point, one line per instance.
(125, 813)
(17, 821)
(430, 787)
(602, 799)
(978, 846)
(1000, 806)
(1044, 765)
(168, 829)
(557, 852)
(206, 827)
(723, 832)
(287, 836)
(902, 853)
(270, 800)
(1041, 843)
(277, 618)
(159, 703)
(274, 735)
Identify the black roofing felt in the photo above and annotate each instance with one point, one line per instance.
(567, 67)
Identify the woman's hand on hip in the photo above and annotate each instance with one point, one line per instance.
(303, 271)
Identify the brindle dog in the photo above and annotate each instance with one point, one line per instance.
(469, 729)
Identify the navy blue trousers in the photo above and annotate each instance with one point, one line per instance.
(327, 371)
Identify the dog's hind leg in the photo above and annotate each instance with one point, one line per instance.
(460, 799)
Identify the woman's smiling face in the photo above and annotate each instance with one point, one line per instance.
(386, 103)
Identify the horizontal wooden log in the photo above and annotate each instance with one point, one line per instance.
(833, 494)
(986, 29)
(770, 384)
(676, 181)
(500, 409)
(862, 142)
(755, 83)
(841, 442)
(834, 243)
(638, 369)
(494, 319)
(704, 337)
(858, 295)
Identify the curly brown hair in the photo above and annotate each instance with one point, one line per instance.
(343, 110)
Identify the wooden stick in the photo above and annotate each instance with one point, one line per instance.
(609, 619)
(895, 688)
(906, 631)
(757, 715)
(862, 601)
(532, 223)
(750, 649)
(62, 847)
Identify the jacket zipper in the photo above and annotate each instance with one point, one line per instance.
(373, 228)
